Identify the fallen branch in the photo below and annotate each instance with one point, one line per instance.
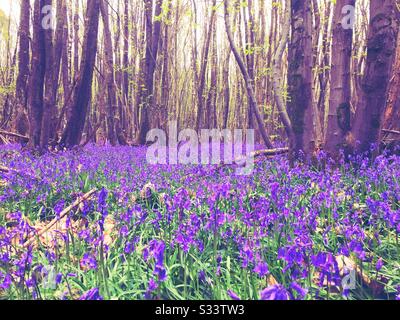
(237, 161)
(15, 135)
(391, 131)
(258, 153)
(62, 215)
(270, 152)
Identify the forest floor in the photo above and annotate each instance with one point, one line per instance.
(102, 223)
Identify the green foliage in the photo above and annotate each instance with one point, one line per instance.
(4, 22)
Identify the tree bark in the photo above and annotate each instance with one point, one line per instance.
(109, 75)
(212, 92)
(392, 113)
(82, 92)
(53, 63)
(36, 85)
(203, 69)
(300, 104)
(153, 31)
(249, 87)
(340, 92)
(382, 37)
(20, 124)
(277, 75)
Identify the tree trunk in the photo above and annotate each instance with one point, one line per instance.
(340, 94)
(50, 86)
(53, 63)
(227, 94)
(249, 87)
(82, 93)
(36, 85)
(277, 75)
(126, 101)
(392, 114)
(165, 78)
(382, 37)
(300, 105)
(109, 70)
(20, 122)
(152, 42)
(212, 93)
(203, 69)
(76, 38)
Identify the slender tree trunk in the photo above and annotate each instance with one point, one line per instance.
(277, 75)
(21, 124)
(76, 38)
(50, 82)
(109, 70)
(126, 101)
(165, 78)
(203, 69)
(36, 85)
(212, 93)
(227, 94)
(249, 87)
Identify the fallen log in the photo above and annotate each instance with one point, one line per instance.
(15, 135)
(61, 216)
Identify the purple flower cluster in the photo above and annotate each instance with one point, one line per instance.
(217, 234)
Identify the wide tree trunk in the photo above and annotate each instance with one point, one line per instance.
(300, 104)
(153, 31)
(82, 92)
(392, 113)
(54, 51)
(381, 46)
(340, 93)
